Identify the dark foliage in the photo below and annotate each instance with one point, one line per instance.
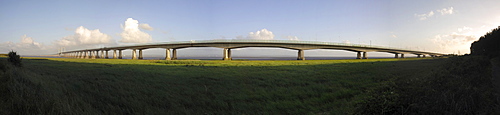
(461, 85)
(487, 45)
(14, 59)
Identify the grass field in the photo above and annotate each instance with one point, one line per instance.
(93, 86)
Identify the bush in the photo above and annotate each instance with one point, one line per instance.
(14, 59)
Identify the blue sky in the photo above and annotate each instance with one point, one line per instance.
(447, 26)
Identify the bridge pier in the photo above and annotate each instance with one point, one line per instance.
(167, 54)
(92, 54)
(301, 55)
(396, 55)
(365, 56)
(107, 56)
(120, 54)
(423, 56)
(102, 53)
(140, 54)
(174, 54)
(358, 55)
(114, 54)
(402, 55)
(82, 55)
(133, 54)
(418, 55)
(226, 54)
(97, 54)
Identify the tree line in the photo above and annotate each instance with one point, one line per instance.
(487, 45)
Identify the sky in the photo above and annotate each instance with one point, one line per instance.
(44, 27)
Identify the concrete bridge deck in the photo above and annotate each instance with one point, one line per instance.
(227, 45)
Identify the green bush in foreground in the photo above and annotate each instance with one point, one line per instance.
(14, 59)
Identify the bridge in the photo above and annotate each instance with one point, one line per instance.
(227, 45)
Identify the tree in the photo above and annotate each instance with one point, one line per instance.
(487, 45)
(14, 59)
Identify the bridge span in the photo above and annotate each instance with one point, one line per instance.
(227, 45)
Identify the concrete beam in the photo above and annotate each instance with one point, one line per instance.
(133, 54)
(365, 56)
(140, 54)
(167, 54)
(301, 55)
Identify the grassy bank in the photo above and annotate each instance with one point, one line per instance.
(76, 86)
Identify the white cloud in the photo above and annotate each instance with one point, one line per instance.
(465, 28)
(455, 41)
(263, 34)
(145, 26)
(293, 38)
(424, 16)
(132, 34)
(84, 36)
(26, 46)
(445, 11)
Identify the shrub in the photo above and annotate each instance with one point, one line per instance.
(14, 59)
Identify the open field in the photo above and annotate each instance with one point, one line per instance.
(76, 86)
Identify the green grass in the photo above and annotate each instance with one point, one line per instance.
(112, 86)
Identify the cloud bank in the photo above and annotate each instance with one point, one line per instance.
(26, 46)
(132, 33)
(84, 36)
(460, 40)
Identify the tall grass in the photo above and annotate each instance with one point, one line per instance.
(107, 86)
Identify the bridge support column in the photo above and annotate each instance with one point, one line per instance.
(102, 53)
(114, 54)
(133, 54)
(301, 55)
(365, 56)
(227, 54)
(423, 56)
(167, 54)
(92, 53)
(97, 54)
(396, 55)
(402, 55)
(140, 54)
(174, 54)
(418, 55)
(120, 54)
(358, 56)
(107, 56)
